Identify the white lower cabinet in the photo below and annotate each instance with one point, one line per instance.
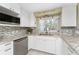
(30, 42)
(51, 48)
(54, 45)
(43, 43)
(59, 46)
(6, 48)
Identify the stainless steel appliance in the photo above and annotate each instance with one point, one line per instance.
(21, 46)
(8, 19)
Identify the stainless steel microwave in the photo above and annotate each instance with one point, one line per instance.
(8, 19)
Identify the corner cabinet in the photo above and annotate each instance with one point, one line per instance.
(69, 15)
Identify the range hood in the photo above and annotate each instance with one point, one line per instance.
(8, 11)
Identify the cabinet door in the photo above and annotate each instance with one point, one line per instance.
(59, 46)
(24, 19)
(40, 43)
(32, 20)
(45, 44)
(69, 15)
(31, 41)
(15, 7)
(51, 45)
(65, 50)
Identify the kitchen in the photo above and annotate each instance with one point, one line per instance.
(39, 28)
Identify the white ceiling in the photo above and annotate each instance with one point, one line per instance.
(33, 7)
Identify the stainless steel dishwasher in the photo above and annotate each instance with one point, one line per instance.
(21, 46)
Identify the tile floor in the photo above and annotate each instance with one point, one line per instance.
(36, 52)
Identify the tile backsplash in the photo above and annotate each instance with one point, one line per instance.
(68, 31)
(7, 32)
(77, 32)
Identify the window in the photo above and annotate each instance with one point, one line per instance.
(49, 24)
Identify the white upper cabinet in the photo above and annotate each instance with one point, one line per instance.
(69, 15)
(24, 18)
(15, 7)
(11, 6)
(32, 20)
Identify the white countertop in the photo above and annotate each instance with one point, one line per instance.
(56, 36)
(70, 40)
(12, 38)
(73, 42)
